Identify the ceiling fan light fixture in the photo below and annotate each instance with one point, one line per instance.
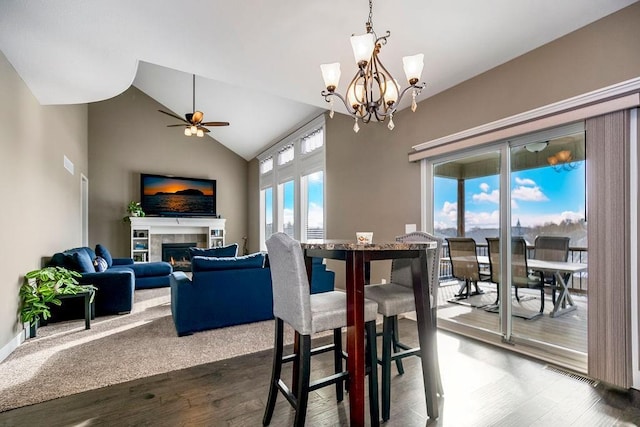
(187, 131)
(200, 133)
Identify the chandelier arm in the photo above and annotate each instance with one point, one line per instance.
(327, 94)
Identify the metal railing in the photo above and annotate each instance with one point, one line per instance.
(577, 283)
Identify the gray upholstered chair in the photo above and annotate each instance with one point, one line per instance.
(397, 297)
(551, 248)
(464, 265)
(521, 276)
(308, 314)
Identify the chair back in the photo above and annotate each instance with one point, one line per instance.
(493, 244)
(464, 260)
(551, 248)
(291, 294)
(401, 268)
(519, 269)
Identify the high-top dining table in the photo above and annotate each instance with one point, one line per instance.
(357, 258)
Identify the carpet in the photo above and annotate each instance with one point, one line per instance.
(65, 358)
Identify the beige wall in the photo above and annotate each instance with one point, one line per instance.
(371, 186)
(128, 136)
(41, 207)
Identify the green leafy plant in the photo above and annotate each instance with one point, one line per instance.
(133, 209)
(42, 287)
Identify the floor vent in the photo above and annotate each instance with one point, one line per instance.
(573, 375)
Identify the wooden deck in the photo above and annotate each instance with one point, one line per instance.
(567, 331)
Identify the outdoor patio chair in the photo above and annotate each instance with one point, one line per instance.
(551, 248)
(397, 297)
(520, 273)
(308, 314)
(465, 267)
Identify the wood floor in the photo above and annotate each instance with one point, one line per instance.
(484, 386)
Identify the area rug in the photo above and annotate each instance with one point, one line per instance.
(65, 358)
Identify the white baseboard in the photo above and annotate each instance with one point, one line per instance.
(11, 345)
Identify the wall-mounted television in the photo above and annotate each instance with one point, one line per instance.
(164, 195)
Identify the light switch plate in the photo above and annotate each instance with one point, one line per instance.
(409, 228)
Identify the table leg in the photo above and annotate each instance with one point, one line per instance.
(561, 301)
(426, 332)
(355, 335)
(87, 310)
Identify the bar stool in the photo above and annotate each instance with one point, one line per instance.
(308, 314)
(396, 298)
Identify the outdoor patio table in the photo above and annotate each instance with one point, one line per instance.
(564, 302)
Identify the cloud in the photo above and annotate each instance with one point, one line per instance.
(528, 194)
(525, 181)
(315, 177)
(482, 219)
(315, 216)
(484, 187)
(532, 220)
(493, 197)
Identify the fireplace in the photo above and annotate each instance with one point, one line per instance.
(177, 254)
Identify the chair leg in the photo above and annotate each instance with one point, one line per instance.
(275, 371)
(387, 325)
(542, 299)
(395, 339)
(374, 405)
(337, 361)
(302, 397)
(436, 363)
(517, 297)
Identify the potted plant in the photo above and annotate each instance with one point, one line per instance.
(133, 209)
(41, 288)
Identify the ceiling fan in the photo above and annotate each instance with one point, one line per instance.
(193, 124)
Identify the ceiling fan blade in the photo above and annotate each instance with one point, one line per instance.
(175, 126)
(173, 115)
(204, 129)
(197, 117)
(215, 124)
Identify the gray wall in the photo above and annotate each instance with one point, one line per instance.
(128, 136)
(41, 200)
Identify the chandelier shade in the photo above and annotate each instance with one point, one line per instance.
(373, 93)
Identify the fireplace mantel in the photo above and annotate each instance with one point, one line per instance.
(142, 228)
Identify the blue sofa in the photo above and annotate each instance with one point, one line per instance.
(230, 291)
(115, 278)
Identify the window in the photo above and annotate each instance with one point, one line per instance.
(266, 199)
(313, 214)
(292, 186)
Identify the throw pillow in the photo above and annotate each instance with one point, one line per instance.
(220, 252)
(103, 252)
(200, 263)
(83, 262)
(100, 264)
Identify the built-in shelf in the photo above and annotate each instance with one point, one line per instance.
(142, 228)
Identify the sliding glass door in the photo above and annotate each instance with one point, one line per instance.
(510, 199)
(466, 204)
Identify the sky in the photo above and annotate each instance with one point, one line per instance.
(154, 184)
(538, 196)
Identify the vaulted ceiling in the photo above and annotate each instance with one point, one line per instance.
(257, 62)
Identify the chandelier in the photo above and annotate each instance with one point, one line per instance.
(373, 93)
(562, 161)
